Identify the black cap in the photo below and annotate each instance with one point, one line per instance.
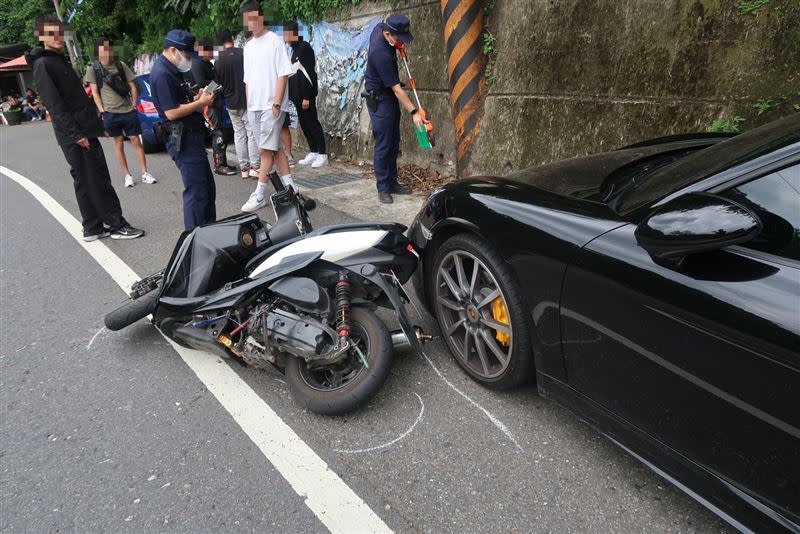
(400, 26)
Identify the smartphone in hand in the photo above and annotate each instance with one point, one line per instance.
(212, 88)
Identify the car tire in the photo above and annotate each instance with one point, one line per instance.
(496, 335)
(148, 147)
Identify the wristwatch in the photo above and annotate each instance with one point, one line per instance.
(277, 106)
(414, 111)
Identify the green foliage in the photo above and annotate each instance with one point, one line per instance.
(797, 107)
(751, 7)
(762, 106)
(727, 126)
(218, 13)
(490, 51)
(488, 43)
(309, 10)
(16, 20)
(488, 6)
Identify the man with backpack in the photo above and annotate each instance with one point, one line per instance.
(114, 92)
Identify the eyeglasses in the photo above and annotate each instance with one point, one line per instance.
(53, 33)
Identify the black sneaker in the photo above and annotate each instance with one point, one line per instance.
(94, 236)
(400, 190)
(126, 232)
(385, 197)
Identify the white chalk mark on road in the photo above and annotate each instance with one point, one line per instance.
(89, 345)
(495, 421)
(395, 440)
(324, 492)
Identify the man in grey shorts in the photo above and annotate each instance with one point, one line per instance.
(266, 73)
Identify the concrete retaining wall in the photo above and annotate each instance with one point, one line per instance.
(581, 76)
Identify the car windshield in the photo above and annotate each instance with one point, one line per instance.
(715, 159)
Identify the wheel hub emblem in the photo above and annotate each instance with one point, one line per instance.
(472, 313)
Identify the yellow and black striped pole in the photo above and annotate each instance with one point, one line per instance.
(463, 27)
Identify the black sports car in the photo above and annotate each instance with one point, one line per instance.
(655, 291)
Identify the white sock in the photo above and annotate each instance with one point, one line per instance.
(287, 181)
(261, 188)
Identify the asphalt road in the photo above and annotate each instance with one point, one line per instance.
(113, 432)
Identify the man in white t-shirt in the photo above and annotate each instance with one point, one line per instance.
(266, 72)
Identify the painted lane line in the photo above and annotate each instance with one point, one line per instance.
(495, 421)
(395, 440)
(324, 492)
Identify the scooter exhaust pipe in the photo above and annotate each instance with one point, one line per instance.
(400, 339)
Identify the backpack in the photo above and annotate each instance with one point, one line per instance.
(117, 81)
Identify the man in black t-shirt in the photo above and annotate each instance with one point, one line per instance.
(203, 72)
(230, 75)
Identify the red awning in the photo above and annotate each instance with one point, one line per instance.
(17, 63)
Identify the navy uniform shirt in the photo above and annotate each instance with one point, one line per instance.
(381, 70)
(168, 92)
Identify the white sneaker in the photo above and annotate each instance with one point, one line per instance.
(291, 160)
(254, 203)
(253, 172)
(148, 178)
(309, 159)
(320, 161)
(128, 180)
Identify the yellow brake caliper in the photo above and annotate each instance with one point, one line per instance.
(500, 315)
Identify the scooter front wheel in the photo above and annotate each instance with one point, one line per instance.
(132, 311)
(349, 384)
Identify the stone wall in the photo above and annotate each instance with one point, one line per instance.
(581, 76)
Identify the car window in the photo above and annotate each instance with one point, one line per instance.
(775, 198)
(713, 160)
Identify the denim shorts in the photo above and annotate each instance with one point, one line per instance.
(117, 124)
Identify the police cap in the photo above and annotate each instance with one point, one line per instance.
(180, 39)
(400, 26)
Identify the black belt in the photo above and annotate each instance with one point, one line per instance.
(190, 127)
(383, 91)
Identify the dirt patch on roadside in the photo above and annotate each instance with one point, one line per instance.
(417, 178)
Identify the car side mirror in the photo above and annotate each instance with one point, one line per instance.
(694, 223)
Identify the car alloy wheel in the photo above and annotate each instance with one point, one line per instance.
(473, 314)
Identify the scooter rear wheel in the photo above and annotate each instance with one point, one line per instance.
(347, 385)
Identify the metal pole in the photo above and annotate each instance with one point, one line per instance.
(69, 42)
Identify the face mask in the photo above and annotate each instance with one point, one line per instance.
(183, 64)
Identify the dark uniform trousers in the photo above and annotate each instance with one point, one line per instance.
(97, 200)
(386, 130)
(199, 190)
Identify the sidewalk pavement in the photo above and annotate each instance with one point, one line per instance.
(343, 187)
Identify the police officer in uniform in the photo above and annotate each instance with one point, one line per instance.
(182, 127)
(384, 96)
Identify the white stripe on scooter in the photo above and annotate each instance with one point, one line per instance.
(329, 498)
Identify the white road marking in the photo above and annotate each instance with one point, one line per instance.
(395, 440)
(325, 493)
(495, 421)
